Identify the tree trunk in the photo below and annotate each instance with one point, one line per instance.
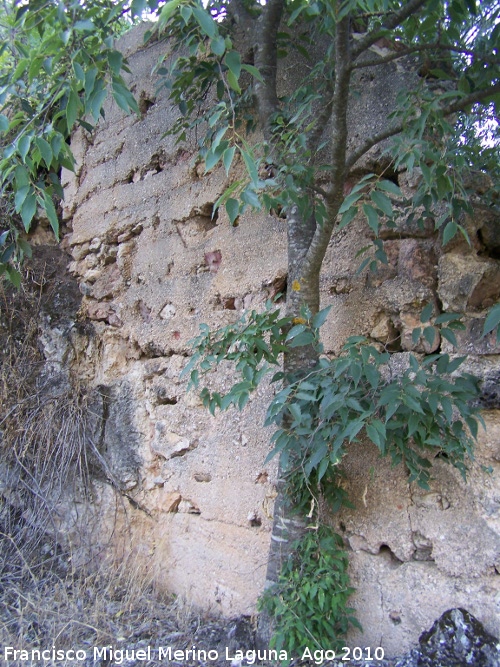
(289, 525)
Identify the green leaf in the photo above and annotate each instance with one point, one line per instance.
(115, 60)
(7, 254)
(250, 165)
(450, 336)
(253, 71)
(218, 46)
(320, 318)
(72, 109)
(186, 13)
(84, 25)
(426, 313)
(430, 335)
(227, 193)
(25, 247)
(442, 364)
(348, 216)
(205, 21)
(295, 331)
(14, 276)
(20, 69)
(389, 186)
(20, 196)
(412, 403)
(233, 61)
(382, 201)
(227, 158)
(90, 80)
(372, 217)
(250, 197)
(211, 159)
(218, 137)
(295, 411)
(447, 317)
(50, 210)
(349, 201)
(455, 363)
(28, 210)
(137, 7)
(23, 145)
(233, 82)
(232, 209)
(492, 320)
(305, 338)
(34, 68)
(96, 102)
(45, 150)
(449, 231)
(4, 123)
(123, 97)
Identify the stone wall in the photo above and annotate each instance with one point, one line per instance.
(189, 492)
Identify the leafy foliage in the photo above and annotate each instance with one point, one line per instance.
(493, 321)
(309, 601)
(58, 63)
(254, 344)
(427, 134)
(411, 415)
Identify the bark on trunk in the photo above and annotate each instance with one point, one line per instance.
(303, 290)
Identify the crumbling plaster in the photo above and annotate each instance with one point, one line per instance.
(152, 264)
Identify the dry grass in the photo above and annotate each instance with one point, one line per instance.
(46, 459)
(42, 438)
(78, 609)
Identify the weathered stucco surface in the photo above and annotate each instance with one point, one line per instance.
(152, 264)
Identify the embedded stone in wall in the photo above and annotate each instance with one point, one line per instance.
(459, 276)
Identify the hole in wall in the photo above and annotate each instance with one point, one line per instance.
(202, 477)
(279, 212)
(155, 165)
(145, 103)
(254, 520)
(277, 287)
(491, 252)
(395, 617)
(386, 552)
(206, 217)
(390, 174)
(394, 344)
(163, 398)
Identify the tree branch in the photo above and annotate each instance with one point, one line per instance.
(422, 48)
(266, 61)
(392, 22)
(237, 10)
(322, 118)
(370, 143)
(323, 233)
(448, 110)
(472, 98)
